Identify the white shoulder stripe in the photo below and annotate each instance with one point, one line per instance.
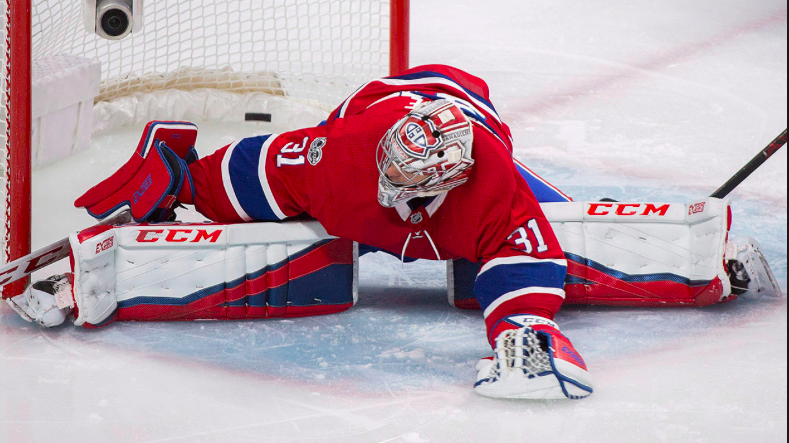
(523, 259)
(520, 292)
(228, 184)
(347, 102)
(421, 81)
(264, 178)
(442, 81)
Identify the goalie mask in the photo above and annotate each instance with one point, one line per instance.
(424, 154)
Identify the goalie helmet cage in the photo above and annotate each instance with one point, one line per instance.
(313, 51)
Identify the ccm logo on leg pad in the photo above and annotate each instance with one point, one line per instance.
(179, 235)
(627, 209)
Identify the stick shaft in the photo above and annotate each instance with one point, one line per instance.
(752, 165)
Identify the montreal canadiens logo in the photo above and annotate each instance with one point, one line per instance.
(417, 137)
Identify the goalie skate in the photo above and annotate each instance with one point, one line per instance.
(533, 362)
(749, 272)
(46, 302)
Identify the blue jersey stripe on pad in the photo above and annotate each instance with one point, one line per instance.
(243, 169)
(170, 301)
(636, 278)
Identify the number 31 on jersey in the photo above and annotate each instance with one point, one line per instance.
(291, 154)
(523, 237)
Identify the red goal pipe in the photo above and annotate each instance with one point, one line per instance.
(399, 40)
(19, 66)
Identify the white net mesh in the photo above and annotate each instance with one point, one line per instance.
(313, 51)
(316, 50)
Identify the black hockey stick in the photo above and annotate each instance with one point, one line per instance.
(22, 267)
(752, 165)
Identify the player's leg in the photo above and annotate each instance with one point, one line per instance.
(167, 272)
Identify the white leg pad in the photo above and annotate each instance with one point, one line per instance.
(655, 254)
(206, 271)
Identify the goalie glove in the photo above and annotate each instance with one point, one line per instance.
(153, 179)
(535, 361)
(46, 302)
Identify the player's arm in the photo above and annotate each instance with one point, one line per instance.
(523, 274)
(254, 179)
(239, 183)
(520, 288)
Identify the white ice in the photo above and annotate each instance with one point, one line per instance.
(638, 100)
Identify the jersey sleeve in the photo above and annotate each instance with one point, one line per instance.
(245, 181)
(524, 268)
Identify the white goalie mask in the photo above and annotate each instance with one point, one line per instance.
(424, 154)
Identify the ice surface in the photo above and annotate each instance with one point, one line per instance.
(638, 100)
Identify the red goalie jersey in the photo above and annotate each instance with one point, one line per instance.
(329, 173)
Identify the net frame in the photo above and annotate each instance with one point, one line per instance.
(25, 28)
(16, 171)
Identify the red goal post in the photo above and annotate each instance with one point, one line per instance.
(296, 46)
(16, 170)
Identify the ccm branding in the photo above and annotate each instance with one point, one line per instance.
(628, 209)
(178, 235)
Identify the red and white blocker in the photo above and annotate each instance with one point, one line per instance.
(167, 272)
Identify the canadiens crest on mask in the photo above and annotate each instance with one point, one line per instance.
(418, 137)
(426, 153)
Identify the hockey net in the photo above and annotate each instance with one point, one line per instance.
(311, 51)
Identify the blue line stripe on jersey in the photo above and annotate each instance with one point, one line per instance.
(506, 278)
(543, 192)
(243, 170)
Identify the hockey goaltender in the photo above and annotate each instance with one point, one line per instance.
(419, 165)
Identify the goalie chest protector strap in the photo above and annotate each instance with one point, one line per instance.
(166, 272)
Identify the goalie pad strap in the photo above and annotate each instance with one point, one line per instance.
(201, 271)
(632, 254)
